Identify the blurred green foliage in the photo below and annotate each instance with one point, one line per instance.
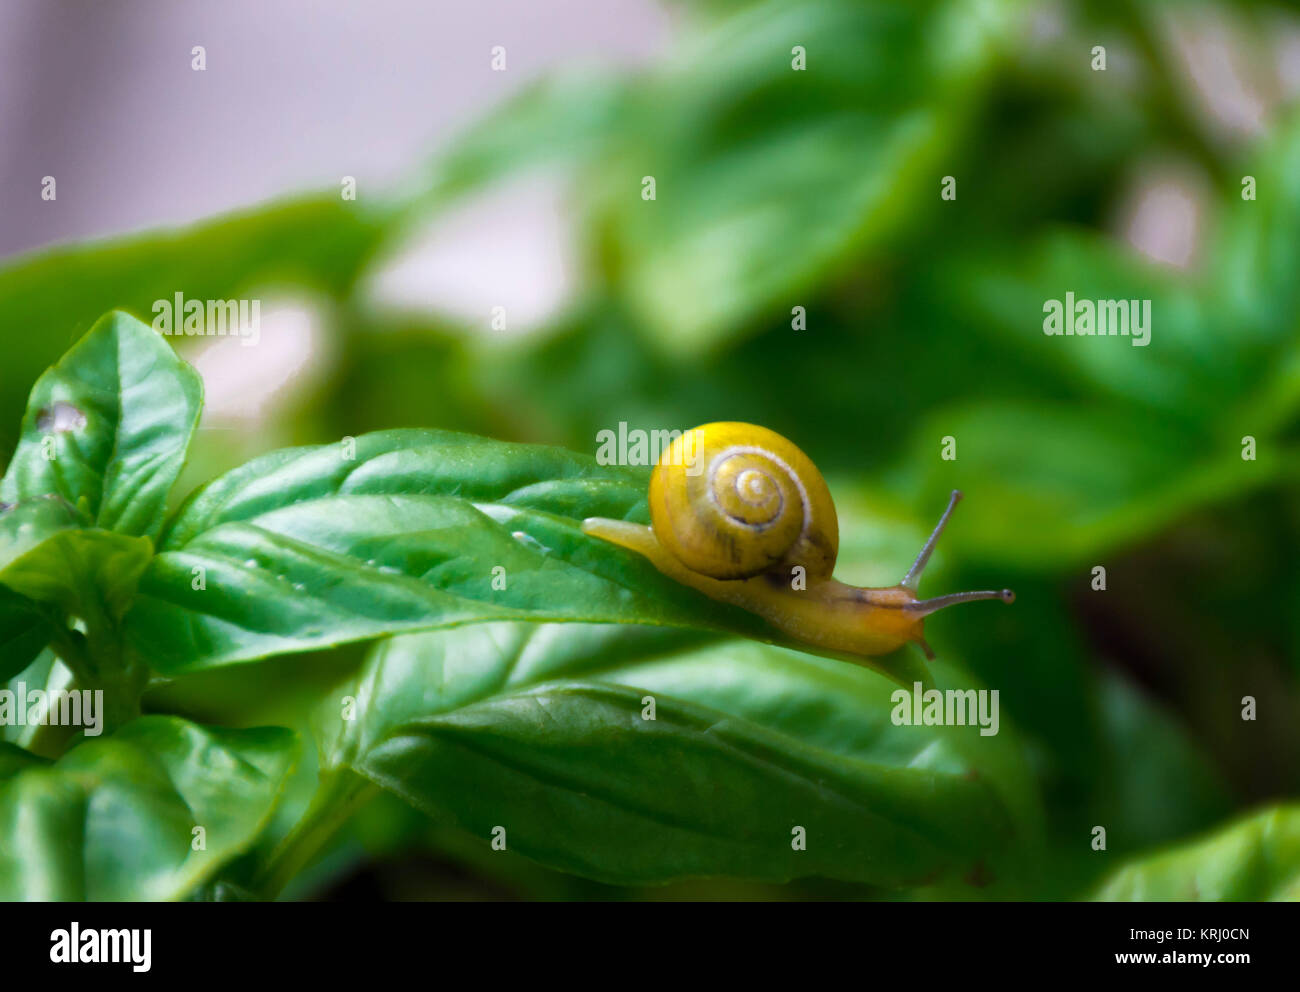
(820, 189)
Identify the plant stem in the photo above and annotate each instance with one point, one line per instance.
(101, 662)
(339, 794)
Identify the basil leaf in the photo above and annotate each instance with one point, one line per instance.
(14, 759)
(1255, 256)
(771, 181)
(48, 674)
(114, 819)
(412, 462)
(1185, 365)
(317, 241)
(107, 427)
(303, 549)
(45, 556)
(1257, 858)
(556, 119)
(541, 729)
(1112, 483)
(24, 632)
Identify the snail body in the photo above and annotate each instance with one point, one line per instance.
(741, 514)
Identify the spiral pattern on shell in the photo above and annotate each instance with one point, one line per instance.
(733, 500)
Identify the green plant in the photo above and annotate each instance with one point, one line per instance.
(624, 752)
(407, 531)
(777, 188)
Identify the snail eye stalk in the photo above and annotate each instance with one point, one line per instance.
(924, 607)
(913, 575)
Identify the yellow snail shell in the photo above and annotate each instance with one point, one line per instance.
(732, 500)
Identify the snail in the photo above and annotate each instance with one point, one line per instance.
(736, 509)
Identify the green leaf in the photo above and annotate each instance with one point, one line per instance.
(1258, 252)
(541, 729)
(567, 117)
(309, 547)
(24, 631)
(1254, 859)
(107, 427)
(25, 526)
(1158, 785)
(14, 759)
(1254, 262)
(46, 557)
(412, 463)
(319, 242)
(1189, 371)
(771, 181)
(1219, 355)
(48, 674)
(1030, 466)
(114, 819)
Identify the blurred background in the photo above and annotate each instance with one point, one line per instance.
(500, 272)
